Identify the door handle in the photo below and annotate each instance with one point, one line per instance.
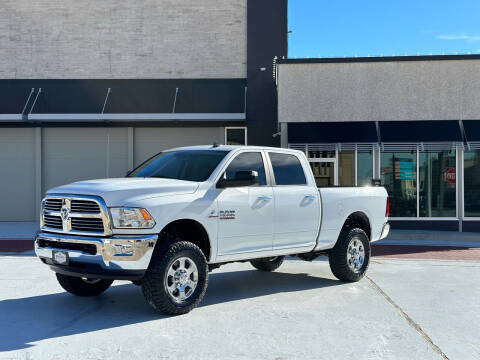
(310, 197)
(265, 198)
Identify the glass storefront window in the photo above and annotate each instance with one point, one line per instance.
(437, 184)
(365, 168)
(471, 180)
(399, 176)
(324, 173)
(318, 154)
(346, 168)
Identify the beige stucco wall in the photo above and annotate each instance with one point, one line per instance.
(379, 91)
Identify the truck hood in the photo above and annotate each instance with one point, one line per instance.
(119, 191)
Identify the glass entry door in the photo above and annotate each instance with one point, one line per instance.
(325, 171)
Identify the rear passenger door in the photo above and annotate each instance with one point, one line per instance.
(297, 207)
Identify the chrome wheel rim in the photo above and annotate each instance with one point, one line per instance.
(182, 279)
(355, 255)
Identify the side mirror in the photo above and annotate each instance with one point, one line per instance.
(242, 178)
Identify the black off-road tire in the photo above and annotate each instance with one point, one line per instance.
(154, 284)
(268, 264)
(80, 287)
(337, 257)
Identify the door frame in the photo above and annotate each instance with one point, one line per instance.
(328, 160)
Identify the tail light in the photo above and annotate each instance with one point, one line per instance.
(387, 208)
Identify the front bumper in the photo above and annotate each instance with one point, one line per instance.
(115, 257)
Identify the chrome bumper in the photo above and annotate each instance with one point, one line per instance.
(120, 252)
(385, 231)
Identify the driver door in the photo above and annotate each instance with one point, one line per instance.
(245, 213)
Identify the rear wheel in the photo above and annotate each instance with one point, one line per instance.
(83, 286)
(350, 257)
(268, 264)
(177, 278)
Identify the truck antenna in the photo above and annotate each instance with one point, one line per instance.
(215, 145)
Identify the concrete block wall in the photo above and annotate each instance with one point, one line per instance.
(123, 39)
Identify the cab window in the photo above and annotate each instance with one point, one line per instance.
(247, 161)
(287, 169)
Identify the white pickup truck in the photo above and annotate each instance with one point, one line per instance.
(186, 211)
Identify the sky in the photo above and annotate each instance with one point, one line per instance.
(338, 28)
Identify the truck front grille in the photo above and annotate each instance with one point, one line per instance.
(53, 204)
(75, 214)
(85, 206)
(53, 221)
(87, 224)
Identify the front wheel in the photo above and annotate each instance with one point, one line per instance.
(176, 279)
(268, 264)
(350, 257)
(83, 286)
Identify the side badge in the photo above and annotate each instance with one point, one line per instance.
(212, 214)
(227, 214)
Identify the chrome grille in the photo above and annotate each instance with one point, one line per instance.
(75, 214)
(53, 221)
(85, 206)
(53, 204)
(87, 224)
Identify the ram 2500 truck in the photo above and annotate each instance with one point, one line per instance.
(186, 211)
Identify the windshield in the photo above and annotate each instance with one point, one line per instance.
(189, 165)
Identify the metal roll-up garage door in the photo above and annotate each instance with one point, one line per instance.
(61, 155)
(150, 141)
(17, 180)
(72, 154)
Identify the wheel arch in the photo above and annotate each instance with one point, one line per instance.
(360, 220)
(189, 230)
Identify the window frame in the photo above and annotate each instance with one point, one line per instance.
(272, 173)
(234, 156)
(425, 218)
(236, 128)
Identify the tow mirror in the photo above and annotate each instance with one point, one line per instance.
(242, 178)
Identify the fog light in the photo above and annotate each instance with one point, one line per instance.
(124, 249)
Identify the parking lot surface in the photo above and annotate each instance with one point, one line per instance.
(404, 309)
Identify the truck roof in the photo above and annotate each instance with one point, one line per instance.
(221, 147)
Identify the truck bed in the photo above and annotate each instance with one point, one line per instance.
(341, 202)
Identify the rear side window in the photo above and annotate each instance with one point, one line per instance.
(287, 169)
(248, 161)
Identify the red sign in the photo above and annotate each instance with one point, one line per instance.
(450, 176)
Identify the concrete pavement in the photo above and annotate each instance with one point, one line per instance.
(405, 309)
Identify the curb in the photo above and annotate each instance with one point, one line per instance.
(16, 245)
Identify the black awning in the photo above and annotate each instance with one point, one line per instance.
(127, 96)
(420, 131)
(14, 95)
(326, 132)
(472, 130)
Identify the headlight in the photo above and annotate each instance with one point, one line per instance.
(131, 218)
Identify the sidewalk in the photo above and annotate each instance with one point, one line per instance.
(431, 238)
(18, 236)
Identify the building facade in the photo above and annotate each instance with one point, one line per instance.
(92, 89)
(411, 122)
